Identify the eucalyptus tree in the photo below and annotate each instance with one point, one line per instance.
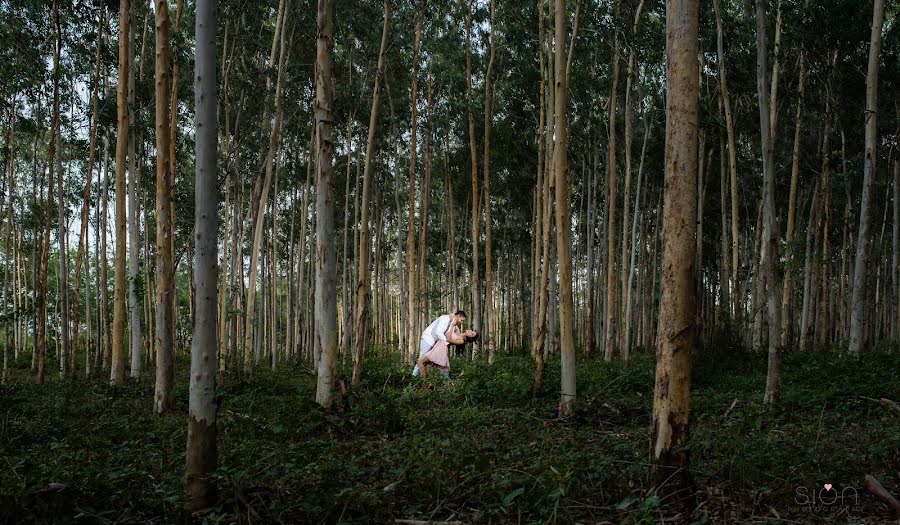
(677, 308)
(201, 455)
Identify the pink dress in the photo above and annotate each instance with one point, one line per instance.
(439, 356)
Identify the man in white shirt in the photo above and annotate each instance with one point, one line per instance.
(437, 331)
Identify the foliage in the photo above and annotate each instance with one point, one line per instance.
(480, 447)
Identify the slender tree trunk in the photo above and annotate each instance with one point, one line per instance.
(563, 221)
(489, 343)
(736, 292)
(261, 188)
(864, 239)
(62, 230)
(117, 369)
(612, 311)
(670, 427)
(411, 274)
(476, 202)
(769, 242)
(201, 456)
(134, 235)
(626, 197)
(363, 289)
(163, 400)
(326, 273)
(626, 348)
(792, 206)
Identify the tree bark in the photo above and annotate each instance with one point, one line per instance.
(411, 350)
(564, 222)
(736, 293)
(769, 242)
(864, 241)
(612, 311)
(117, 368)
(260, 197)
(488, 120)
(476, 202)
(163, 400)
(677, 313)
(201, 456)
(326, 272)
(363, 289)
(792, 206)
(134, 233)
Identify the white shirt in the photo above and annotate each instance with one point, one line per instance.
(437, 330)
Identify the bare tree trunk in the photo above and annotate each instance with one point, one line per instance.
(411, 274)
(134, 232)
(670, 425)
(612, 310)
(792, 206)
(476, 202)
(117, 370)
(489, 343)
(201, 456)
(895, 255)
(626, 197)
(62, 230)
(564, 221)
(736, 292)
(626, 348)
(769, 242)
(363, 289)
(260, 197)
(864, 240)
(85, 206)
(163, 400)
(326, 272)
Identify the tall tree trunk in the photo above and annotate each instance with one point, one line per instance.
(476, 202)
(539, 261)
(564, 221)
(363, 289)
(737, 293)
(488, 120)
(134, 233)
(895, 256)
(62, 229)
(626, 348)
(86, 194)
(117, 369)
(326, 273)
(612, 311)
(677, 312)
(260, 197)
(769, 242)
(864, 239)
(163, 400)
(411, 275)
(629, 117)
(201, 456)
(792, 206)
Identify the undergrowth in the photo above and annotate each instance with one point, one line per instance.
(481, 447)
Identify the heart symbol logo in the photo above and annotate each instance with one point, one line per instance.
(827, 486)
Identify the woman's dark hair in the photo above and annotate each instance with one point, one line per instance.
(472, 339)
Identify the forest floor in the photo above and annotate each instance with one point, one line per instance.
(479, 448)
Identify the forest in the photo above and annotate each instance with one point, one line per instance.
(644, 256)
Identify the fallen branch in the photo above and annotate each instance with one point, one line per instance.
(873, 486)
(886, 402)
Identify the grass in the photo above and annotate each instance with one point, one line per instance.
(479, 448)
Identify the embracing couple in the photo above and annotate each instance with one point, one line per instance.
(433, 347)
